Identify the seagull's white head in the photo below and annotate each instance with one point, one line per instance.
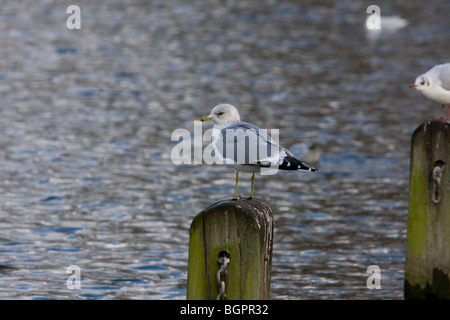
(222, 114)
(422, 83)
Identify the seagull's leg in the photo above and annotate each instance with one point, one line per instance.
(236, 187)
(253, 183)
(442, 112)
(448, 113)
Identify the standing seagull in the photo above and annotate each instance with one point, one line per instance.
(241, 145)
(435, 84)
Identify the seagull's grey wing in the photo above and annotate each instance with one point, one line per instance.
(245, 143)
(444, 76)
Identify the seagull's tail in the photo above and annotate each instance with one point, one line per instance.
(291, 163)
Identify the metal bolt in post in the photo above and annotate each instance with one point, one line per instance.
(224, 259)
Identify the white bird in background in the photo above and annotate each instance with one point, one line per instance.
(435, 85)
(309, 153)
(389, 25)
(231, 134)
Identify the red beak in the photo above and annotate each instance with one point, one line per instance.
(413, 85)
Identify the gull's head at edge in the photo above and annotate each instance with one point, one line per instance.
(223, 114)
(421, 83)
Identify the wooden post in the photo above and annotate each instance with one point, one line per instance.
(244, 229)
(427, 268)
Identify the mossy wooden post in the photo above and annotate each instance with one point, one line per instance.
(242, 227)
(427, 269)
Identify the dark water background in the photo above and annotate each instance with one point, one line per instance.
(86, 118)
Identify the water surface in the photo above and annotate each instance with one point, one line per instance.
(86, 118)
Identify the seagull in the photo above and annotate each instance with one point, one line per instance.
(245, 144)
(435, 85)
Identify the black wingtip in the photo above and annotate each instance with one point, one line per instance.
(291, 163)
(307, 168)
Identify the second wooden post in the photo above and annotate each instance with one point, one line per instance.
(427, 270)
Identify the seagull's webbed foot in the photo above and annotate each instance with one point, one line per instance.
(231, 199)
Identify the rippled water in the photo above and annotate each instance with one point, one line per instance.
(86, 118)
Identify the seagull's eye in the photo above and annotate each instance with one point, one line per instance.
(220, 113)
(422, 82)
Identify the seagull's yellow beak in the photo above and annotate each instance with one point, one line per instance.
(205, 118)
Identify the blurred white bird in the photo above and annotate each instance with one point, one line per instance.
(305, 152)
(388, 25)
(435, 85)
